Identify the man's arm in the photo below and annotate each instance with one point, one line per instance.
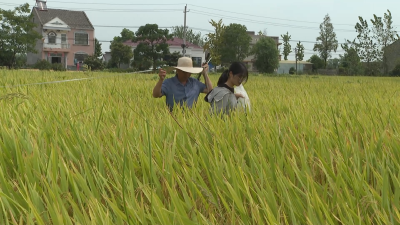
(157, 93)
(209, 86)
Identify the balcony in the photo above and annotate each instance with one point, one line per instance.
(58, 46)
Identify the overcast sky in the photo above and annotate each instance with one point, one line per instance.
(300, 18)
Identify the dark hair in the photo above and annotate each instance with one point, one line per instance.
(237, 69)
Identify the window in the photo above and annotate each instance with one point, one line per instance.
(80, 57)
(196, 61)
(52, 37)
(81, 38)
(63, 38)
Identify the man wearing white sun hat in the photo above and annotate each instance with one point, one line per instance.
(182, 89)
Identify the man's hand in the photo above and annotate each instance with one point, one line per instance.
(157, 89)
(162, 73)
(205, 69)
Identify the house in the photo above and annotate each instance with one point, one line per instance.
(302, 66)
(254, 38)
(175, 45)
(106, 57)
(392, 53)
(68, 37)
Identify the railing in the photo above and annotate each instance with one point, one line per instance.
(57, 46)
(65, 46)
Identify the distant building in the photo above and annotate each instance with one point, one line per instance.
(175, 45)
(392, 53)
(106, 57)
(254, 38)
(302, 66)
(68, 37)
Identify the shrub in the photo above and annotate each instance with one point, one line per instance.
(42, 65)
(58, 67)
(292, 70)
(94, 63)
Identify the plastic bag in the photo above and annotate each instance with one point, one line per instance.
(243, 103)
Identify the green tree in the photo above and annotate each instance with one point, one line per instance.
(172, 58)
(20, 60)
(152, 45)
(126, 35)
(265, 55)
(317, 62)
(326, 42)
(191, 36)
(120, 53)
(367, 48)
(384, 35)
(300, 51)
(16, 34)
(286, 46)
(236, 43)
(94, 63)
(97, 48)
(333, 63)
(214, 42)
(350, 60)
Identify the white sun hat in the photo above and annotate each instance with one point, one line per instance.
(186, 64)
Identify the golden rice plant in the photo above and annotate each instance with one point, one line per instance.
(314, 150)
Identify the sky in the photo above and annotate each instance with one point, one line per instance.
(300, 18)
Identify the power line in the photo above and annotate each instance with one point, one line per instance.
(261, 22)
(301, 21)
(98, 3)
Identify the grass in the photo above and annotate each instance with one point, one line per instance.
(314, 150)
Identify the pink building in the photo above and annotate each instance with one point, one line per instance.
(68, 37)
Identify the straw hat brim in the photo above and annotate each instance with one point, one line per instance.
(190, 69)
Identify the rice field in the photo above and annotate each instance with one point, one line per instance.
(313, 150)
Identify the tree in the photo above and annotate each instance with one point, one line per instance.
(367, 48)
(126, 35)
(333, 63)
(152, 45)
(300, 51)
(236, 43)
(265, 55)
(120, 53)
(192, 37)
(262, 33)
(172, 58)
(350, 60)
(317, 62)
(16, 34)
(214, 42)
(94, 63)
(97, 48)
(326, 42)
(384, 34)
(286, 46)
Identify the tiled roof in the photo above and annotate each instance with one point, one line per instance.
(74, 19)
(176, 42)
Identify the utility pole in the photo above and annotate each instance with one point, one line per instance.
(184, 33)
(295, 51)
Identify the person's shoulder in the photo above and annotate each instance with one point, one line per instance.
(220, 92)
(169, 80)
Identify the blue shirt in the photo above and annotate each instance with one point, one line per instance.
(183, 95)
